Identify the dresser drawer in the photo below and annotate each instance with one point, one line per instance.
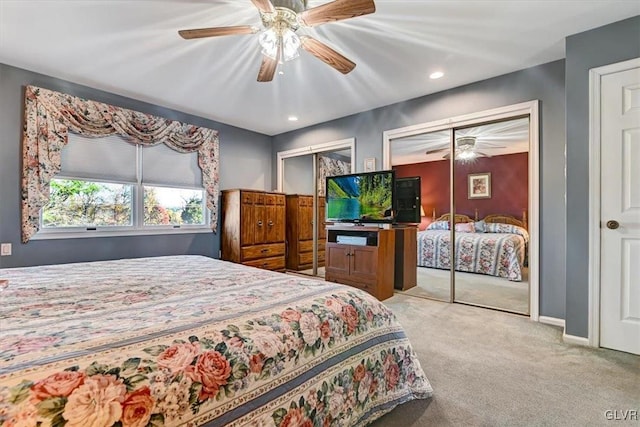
(273, 263)
(262, 251)
(248, 197)
(305, 246)
(305, 258)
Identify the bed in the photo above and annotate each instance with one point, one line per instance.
(190, 340)
(495, 246)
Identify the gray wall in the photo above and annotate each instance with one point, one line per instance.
(298, 175)
(545, 83)
(245, 162)
(612, 43)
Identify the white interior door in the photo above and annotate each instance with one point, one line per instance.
(620, 211)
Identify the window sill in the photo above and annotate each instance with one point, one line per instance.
(49, 235)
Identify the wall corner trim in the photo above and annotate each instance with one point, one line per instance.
(572, 339)
(554, 321)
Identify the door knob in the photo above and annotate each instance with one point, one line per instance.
(613, 224)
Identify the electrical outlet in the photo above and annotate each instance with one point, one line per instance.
(5, 249)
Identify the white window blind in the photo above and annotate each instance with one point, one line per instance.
(106, 158)
(162, 165)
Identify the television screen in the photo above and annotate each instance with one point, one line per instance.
(362, 197)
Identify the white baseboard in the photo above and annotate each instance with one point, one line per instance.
(567, 339)
(551, 321)
(572, 339)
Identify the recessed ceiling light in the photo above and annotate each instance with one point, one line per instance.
(293, 119)
(436, 75)
(281, 73)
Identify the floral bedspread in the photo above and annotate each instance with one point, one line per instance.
(495, 254)
(190, 340)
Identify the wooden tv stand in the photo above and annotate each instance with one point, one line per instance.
(362, 257)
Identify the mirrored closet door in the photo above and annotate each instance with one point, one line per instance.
(488, 215)
(427, 155)
(491, 194)
(298, 185)
(303, 182)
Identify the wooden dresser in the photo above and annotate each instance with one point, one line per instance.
(253, 228)
(300, 232)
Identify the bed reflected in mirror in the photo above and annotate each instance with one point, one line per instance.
(491, 198)
(486, 242)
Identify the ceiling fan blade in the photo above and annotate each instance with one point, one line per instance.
(267, 68)
(216, 31)
(264, 6)
(337, 11)
(436, 151)
(327, 55)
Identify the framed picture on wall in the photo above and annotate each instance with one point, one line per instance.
(480, 185)
(370, 164)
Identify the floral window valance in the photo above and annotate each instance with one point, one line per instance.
(50, 115)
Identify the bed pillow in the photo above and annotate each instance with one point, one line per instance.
(465, 227)
(479, 226)
(438, 225)
(498, 227)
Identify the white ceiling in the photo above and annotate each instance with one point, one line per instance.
(132, 48)
(494, 139)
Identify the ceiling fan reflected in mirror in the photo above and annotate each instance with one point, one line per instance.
(465, 149)
(281, 20)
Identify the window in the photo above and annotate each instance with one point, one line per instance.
(79, 203)
(107, 185)
(174, 206)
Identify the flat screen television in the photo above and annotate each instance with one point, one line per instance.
(361, 197)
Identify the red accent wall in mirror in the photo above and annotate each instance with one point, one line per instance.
(509, 185)
(434, 187)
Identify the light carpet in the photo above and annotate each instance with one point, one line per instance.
(472, 288)
(490, 368)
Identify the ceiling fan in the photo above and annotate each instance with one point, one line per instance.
(465, 149)
(281, 19)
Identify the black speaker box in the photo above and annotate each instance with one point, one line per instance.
(407, 194)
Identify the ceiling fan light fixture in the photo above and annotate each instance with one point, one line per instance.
(466, 154)
(289, 41)
(269, 41)
(468, 142)
(290, 45)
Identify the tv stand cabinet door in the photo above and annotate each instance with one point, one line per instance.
(337, 260)
(364, 264)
